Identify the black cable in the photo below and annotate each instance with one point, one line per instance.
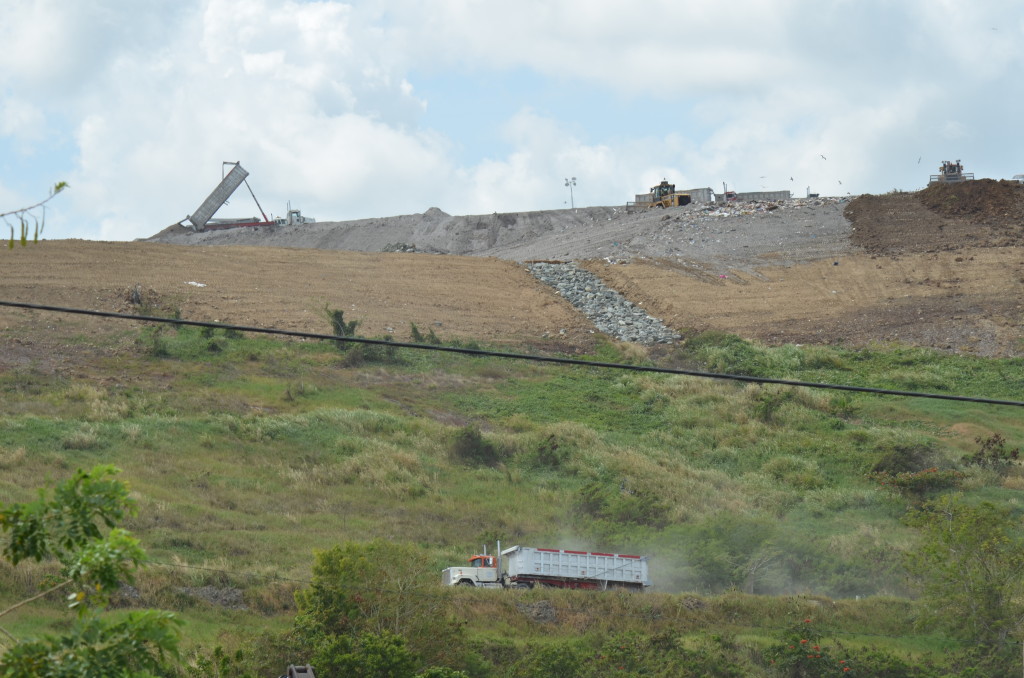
(515, 356)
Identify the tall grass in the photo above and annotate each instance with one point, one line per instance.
(252, 455)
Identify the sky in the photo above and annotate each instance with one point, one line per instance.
(376, 108)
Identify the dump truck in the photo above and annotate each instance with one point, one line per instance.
(525, 567)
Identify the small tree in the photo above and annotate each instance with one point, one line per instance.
(76, 527)
(992, 454)
(361, 593)
(970, 569)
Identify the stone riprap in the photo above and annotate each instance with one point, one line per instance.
(610, 312)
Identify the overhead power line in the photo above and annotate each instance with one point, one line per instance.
(514, 356)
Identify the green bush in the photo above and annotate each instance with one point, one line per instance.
(368, 655)
(420, 338)
(618, 502)
(730, 550)
(992, 454)
(469, 446)
(919, 485)
(357, 354)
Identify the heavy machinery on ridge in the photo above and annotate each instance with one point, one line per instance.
(202, 219)
(526, 567)
(950, 173)
(665, 195)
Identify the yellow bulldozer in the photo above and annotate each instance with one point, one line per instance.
(664, 195)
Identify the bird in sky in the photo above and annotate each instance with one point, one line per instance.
(824, 158)
(791, 178)
(840, 182)
(918, 160)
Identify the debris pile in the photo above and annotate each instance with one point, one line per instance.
(610, 312)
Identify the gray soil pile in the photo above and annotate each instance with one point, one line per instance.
(734, 235)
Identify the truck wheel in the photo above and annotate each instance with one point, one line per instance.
(465, 582)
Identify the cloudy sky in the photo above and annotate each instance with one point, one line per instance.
(384, 107)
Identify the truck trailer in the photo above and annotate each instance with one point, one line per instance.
(527, 567)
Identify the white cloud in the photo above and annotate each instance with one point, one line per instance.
(319, 100)
(20, 118)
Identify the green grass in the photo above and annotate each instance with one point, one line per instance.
(246, 455)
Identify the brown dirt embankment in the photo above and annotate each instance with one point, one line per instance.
(466, 298)
(943, 268)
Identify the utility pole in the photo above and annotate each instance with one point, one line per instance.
(570, 183)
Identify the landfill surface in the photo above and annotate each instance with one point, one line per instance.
(939, 268)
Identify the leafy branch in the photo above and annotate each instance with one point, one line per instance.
(76, 527)
(24, 214)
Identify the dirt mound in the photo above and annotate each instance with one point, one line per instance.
(942, 217)
(986, 201)
(718, 236)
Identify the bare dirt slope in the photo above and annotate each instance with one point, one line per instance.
(457, 297)
(942, 268)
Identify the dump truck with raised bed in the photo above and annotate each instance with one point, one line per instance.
(527, 567)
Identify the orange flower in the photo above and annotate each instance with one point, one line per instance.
(804, 640)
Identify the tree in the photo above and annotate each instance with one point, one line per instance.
(364, 595)
(77, 528)
(970, 569)
(23, 214)
(370, 655)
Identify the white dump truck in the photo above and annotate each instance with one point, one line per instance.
(526, 567)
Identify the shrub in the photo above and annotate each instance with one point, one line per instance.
(551, 452)
(618, 502)
(918, 485)
(768, 401)
(376, 655)
(800, 653)
(420, 338)
(469, 446)
(992, 454)
(906, 456)
(153, 342)
(341, 328)
(357, 354)
(355, 605)
(732, 551)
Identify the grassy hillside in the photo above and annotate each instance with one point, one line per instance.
(246, 455)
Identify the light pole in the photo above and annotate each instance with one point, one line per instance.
(570, 183)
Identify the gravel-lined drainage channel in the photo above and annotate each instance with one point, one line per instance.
(610, 312)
